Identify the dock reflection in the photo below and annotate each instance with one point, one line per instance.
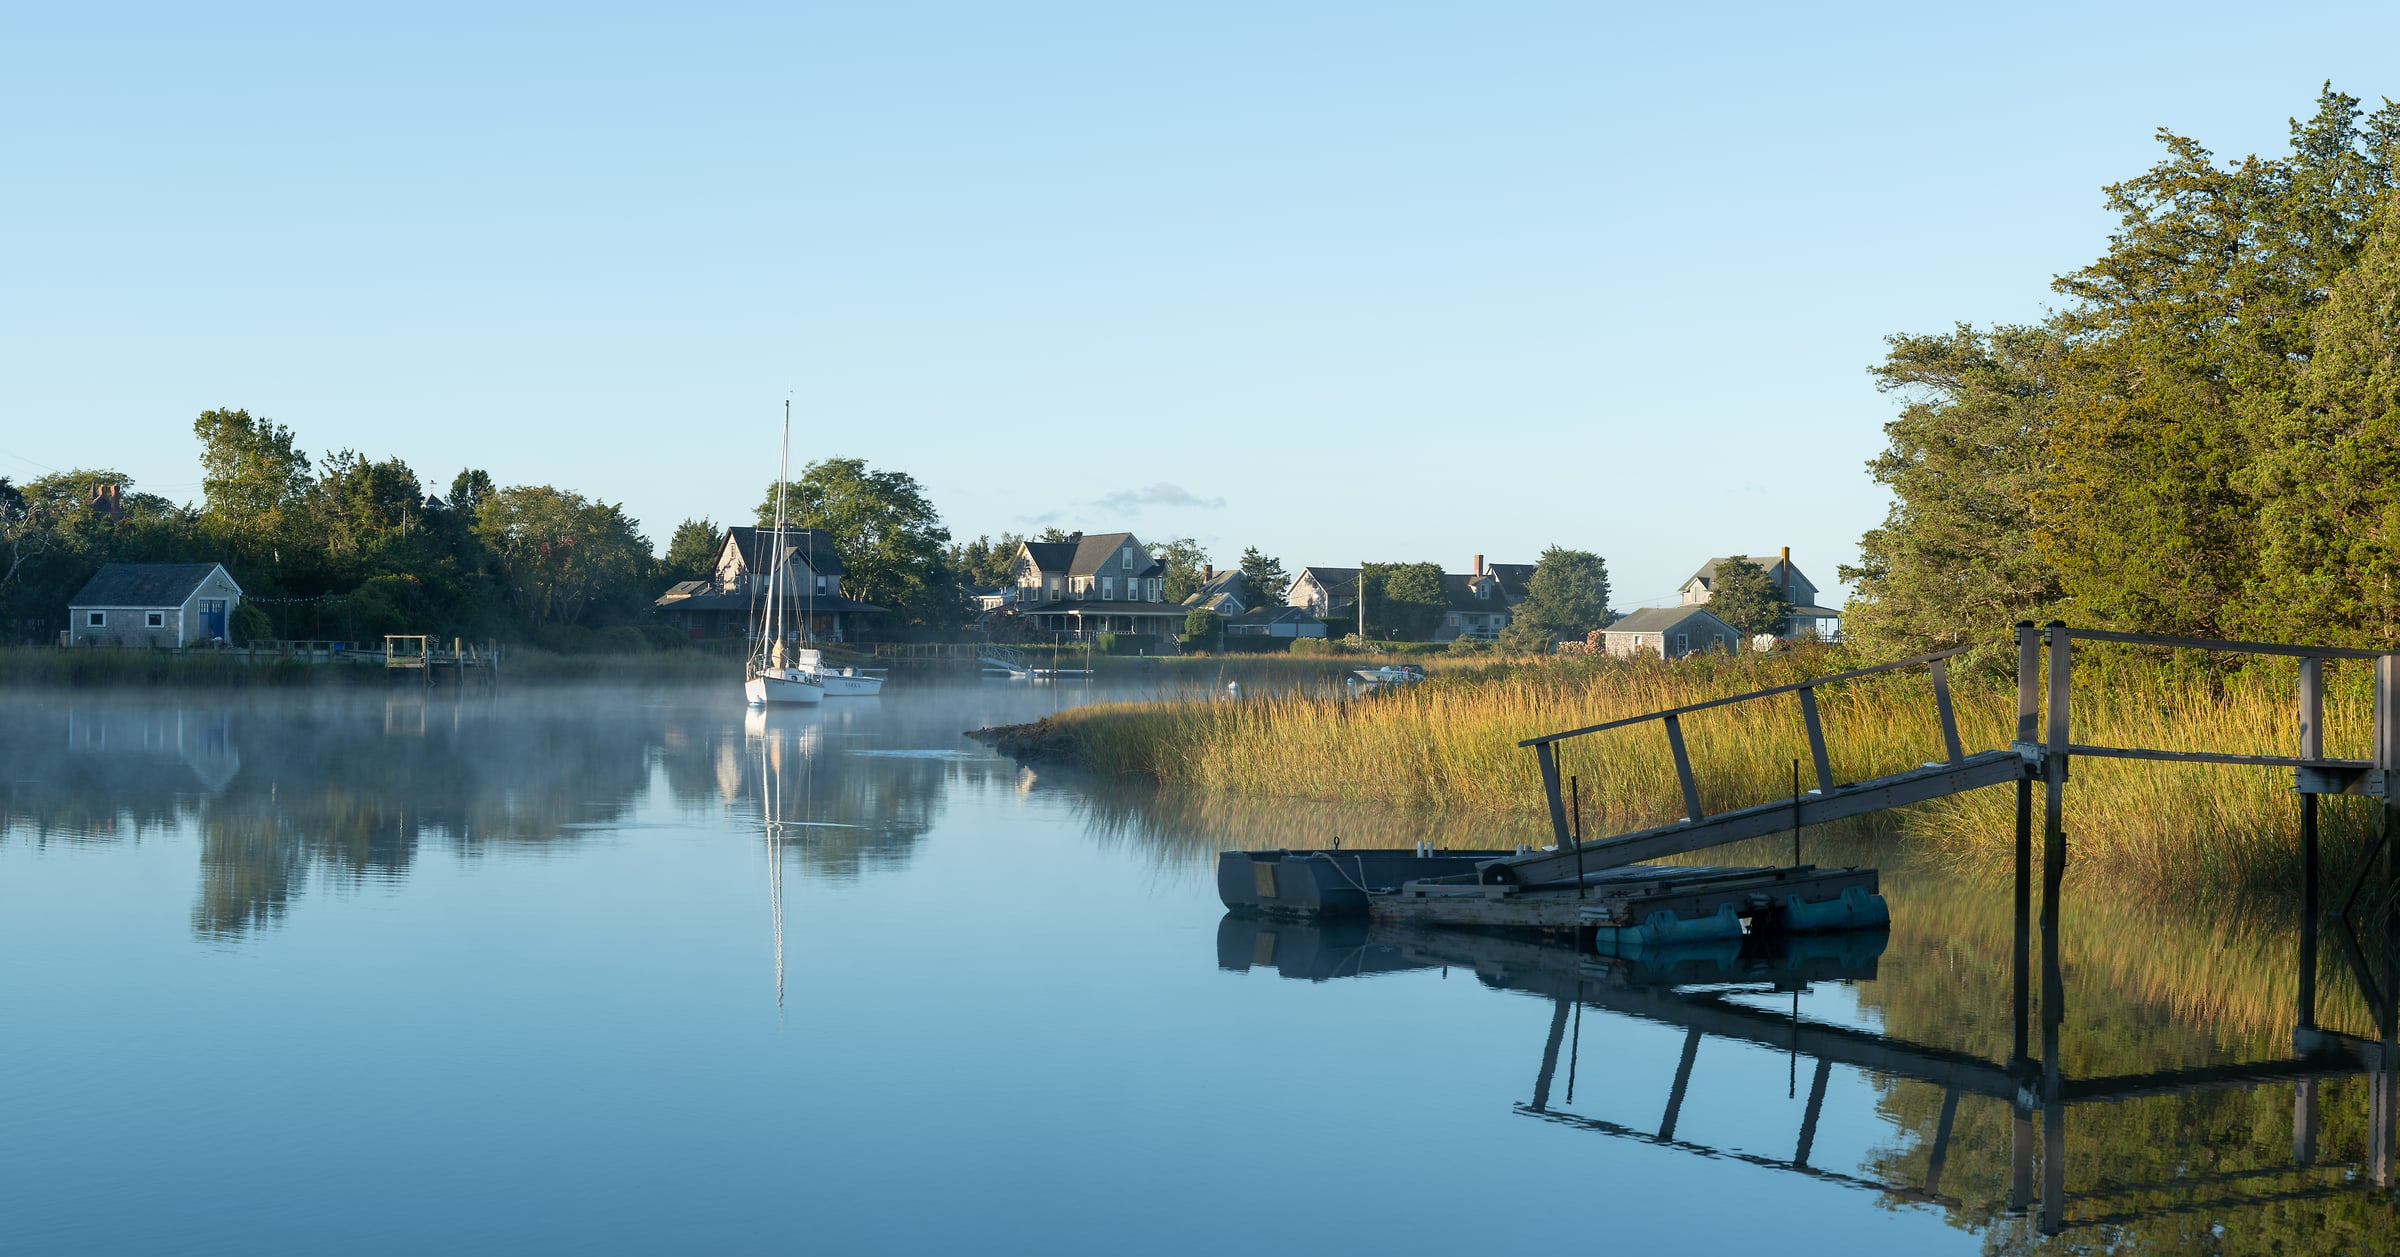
(2070, 1163)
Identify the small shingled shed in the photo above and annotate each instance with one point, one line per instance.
(154, 604)
(1670, 633)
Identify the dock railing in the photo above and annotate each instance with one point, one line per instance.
(1546, 755)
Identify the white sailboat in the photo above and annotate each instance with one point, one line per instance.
(772, 677)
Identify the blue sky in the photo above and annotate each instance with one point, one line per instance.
(1340, 281)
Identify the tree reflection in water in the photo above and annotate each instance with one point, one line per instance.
(284, 790)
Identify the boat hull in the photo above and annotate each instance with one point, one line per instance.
(783, 687)
(840, 686)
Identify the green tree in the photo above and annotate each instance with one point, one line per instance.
(363, 509)
(2328, 481)
(691, 551)
(985, 561)
(890, 538)
(253, 478)
(1200, 628)
(20, 531)
(1567, 595)
(1185, 561)
(1742, 596)
(562, 555)
(1403, 601)
(1956, 556)
(2186, 339)
(469, 489)
(1263, 577)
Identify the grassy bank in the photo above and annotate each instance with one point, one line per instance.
(1450, 744)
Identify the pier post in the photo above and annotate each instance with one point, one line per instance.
(1941, 1142)
(1683, 1081)
(2020, 1158)
(1546, 754)
(1816, 1107)
(2054, 1107)
(2312, 747)
(2387, 763)
(1558, 1033)
(2029, 700)
(2304, 1122)
(2054, 865)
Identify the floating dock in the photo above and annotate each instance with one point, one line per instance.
(1635, 905)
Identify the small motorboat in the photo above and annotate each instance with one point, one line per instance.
(837, 682)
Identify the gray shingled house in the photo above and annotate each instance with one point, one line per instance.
(1806, 617)
(1100, 583)
(1670, 633)
(154, 604)
(724, 604)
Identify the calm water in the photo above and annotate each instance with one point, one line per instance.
(636, 971)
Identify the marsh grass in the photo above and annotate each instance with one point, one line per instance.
(1450, 744)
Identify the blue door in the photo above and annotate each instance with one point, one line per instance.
(212, 619)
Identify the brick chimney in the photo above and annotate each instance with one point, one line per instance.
(1787, 575)
(1208, 572)
(1479, 565)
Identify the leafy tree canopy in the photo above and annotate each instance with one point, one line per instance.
(1567, 596)
(891, 540)
(691, 551)
(1956, 554)
(1742, 596)
(561, 553)
(986, 561)
(1264, 577)
(1402, 601)
(1185, 561)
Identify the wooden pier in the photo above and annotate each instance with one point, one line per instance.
(1600, 889)
(422, 659)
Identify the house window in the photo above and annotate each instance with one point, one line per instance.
(1454, 619)
(1108, 588)
(1129, 558)
(158, 619)
(1683, 643)
(97, 619)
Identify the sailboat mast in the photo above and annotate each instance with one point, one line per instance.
(783, 466)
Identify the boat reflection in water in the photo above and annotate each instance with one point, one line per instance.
(2341, 1088)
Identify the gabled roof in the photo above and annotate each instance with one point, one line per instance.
(1337, 582)
(1661, 619)
(1515, 578)
(1217, 592)
(809, 545)
(1095, 550)
(1051, 557)
(1459, 591)
(1771, 564)
(144, 584)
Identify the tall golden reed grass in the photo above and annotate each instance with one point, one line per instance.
(1450, 744)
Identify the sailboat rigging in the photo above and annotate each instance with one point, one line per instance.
(771, 679)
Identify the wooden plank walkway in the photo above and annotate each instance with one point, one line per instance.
(1918, 785)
